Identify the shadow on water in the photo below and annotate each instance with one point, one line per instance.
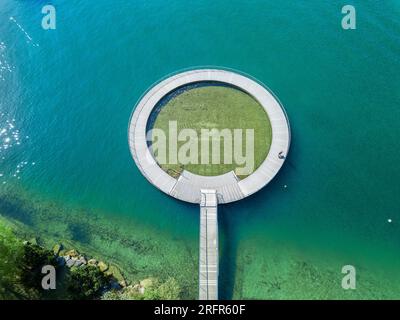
(250, 205)
(14, 208)
(229, 220)
(230, 217)
(80, 233)
(228, 253)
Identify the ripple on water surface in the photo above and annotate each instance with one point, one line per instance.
(12, 141)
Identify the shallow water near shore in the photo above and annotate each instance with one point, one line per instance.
(67, 95)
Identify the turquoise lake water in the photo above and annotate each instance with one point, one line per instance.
(66, 96)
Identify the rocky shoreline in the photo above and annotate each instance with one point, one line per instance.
(72, 258)
(136, 253)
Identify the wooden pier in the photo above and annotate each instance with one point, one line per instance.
(209, 190)
(208, 260)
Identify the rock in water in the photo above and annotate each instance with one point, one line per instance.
(117, 274)
(57, 248)
(145, 284)
(33, 241)
(72, 253)
(92, 262)
(102, 266)
(78, 263)
(71, 262)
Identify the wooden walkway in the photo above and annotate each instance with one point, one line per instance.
(208, 260)
(209, 191)
(188, 186)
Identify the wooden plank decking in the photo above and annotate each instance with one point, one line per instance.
(208, 260)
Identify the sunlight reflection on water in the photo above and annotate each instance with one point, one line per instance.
(10, 140)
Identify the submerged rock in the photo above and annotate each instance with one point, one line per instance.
(146, 283)
(57, 248)
(92, 262)
(102, 266)
(115, 272)
(81, 261)
(78, 263)
(71, 262)
(72, 253)
(33, 241)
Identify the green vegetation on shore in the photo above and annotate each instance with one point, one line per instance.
(128, 249)
(10, 250)
(20, 266)
(215, 107)
(21, 275)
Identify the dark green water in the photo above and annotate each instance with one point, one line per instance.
(70, 93)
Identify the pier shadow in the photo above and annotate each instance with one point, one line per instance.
(228, 254)
(230, 217)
